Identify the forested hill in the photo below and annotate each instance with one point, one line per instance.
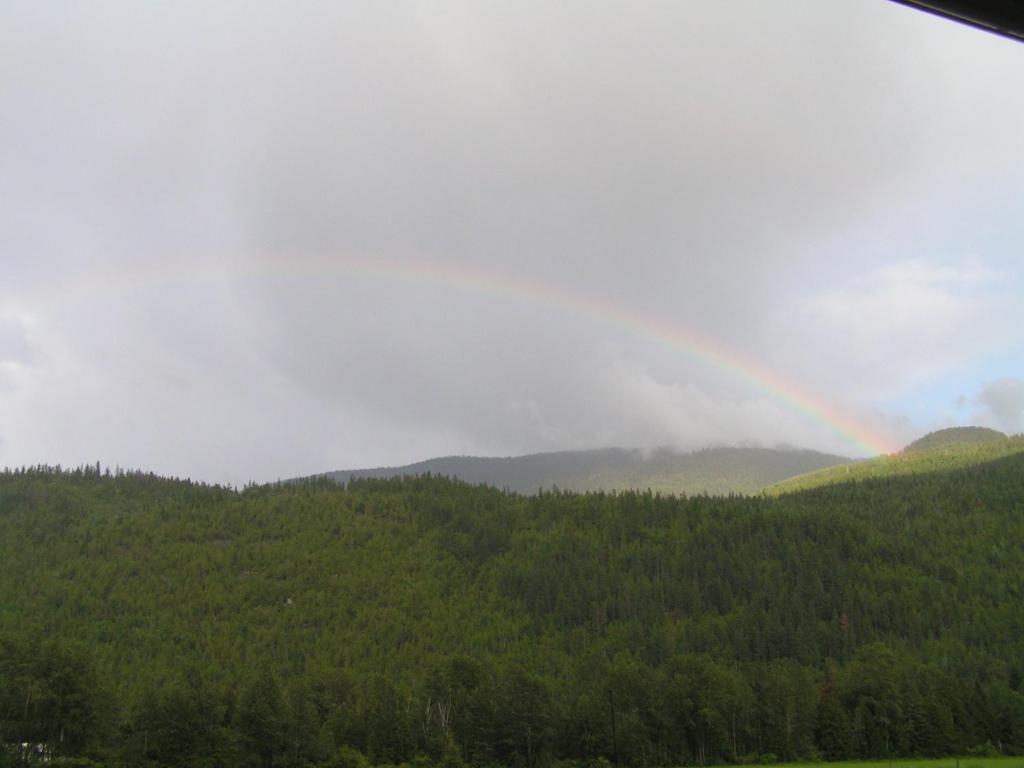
(158, 622)
(956, 438)
(939, 451)
(713, 470)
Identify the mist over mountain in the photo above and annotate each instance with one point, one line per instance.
(712, 470)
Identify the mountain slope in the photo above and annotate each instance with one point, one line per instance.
(939, 451)
(957, 438)
(284, 625)
(714, 470)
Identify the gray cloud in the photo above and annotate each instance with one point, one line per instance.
(803, 185)
(17, 350)
(1002, 403)
(15, 343)
(930, 317)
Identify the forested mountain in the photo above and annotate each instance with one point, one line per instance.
(161, 622)
(935, 452)
(713, 470)
(957, 437)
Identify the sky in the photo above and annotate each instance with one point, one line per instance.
(247, 241)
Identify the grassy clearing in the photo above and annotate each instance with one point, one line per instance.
(943, 762)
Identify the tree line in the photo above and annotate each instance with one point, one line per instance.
(149, 621)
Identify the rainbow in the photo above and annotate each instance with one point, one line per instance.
(688, 341)
(636, 321)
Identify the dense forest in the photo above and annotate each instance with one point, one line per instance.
(159, 622)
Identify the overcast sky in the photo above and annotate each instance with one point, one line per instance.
(244, 241)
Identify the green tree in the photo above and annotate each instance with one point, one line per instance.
(262, 721)
(831, 722)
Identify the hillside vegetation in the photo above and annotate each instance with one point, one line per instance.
(940, 451)
(714, 470)
(148, 621)
(957, 437)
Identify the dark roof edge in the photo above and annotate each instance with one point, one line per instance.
(1001, 17)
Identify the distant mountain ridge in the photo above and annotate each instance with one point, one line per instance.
(712, 470)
